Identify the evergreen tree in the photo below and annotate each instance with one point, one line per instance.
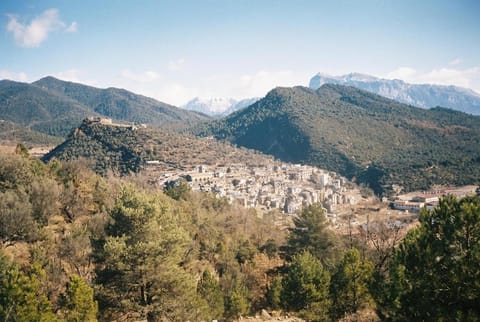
(177, 189)
(311, 234)
(350, 284)
(78, 301)
(274, 293)
(23, 295)
(434, 275)
(305, 288)
(141, 258)
(237, 303)
(245, 252)
(211, 292)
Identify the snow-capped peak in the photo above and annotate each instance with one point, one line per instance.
(359, 77)
(217, 106)
(210, 106)
(421, 95)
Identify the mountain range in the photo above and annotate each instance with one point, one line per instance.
(421, 95)
(218, 106)
(378, 141)
(55, 107)
(361, 135)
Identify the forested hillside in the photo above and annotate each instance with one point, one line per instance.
(91, 248)
(375, 140)
(125, 149)
(11, 134)
(55, 107)
(120, 104)
(32, 107)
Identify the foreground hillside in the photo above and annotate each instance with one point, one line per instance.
(75, 246)
(360, 135)
(125, 149)
(55, 107)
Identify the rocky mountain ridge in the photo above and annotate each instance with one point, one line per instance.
(421, 95)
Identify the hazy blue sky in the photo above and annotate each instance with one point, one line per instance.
(176, 50)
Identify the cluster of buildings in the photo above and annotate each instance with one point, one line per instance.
(430, 199)
(287, 187)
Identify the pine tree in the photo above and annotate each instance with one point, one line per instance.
(23, 295)
(274, 293)
(79, 303)
(237, 303)
(305, 288)
(311, 234)
(434, 274)
(210, 291)
(350, 284)
(141, 257)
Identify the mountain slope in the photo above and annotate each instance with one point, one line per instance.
(120, 104)
(359, 134)
(40, 110)
(12, 134)
(55, 107)
(239, 105)
(421, 95)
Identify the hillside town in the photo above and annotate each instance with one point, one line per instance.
(283, 186)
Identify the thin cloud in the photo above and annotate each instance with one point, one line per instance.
(174, 93)
(177, 64)
(142, 77)
(259, 83)
(467, 77)
(402, 73)
(455, 62)
(70, 75)
(72, 28)
(32, 34)
(19, 77)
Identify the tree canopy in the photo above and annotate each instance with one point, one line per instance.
(434, 273)
(311, 233)
(142, 255)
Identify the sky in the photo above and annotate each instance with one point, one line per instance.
(177, 50)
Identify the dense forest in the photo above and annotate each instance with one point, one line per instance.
(79, 247)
